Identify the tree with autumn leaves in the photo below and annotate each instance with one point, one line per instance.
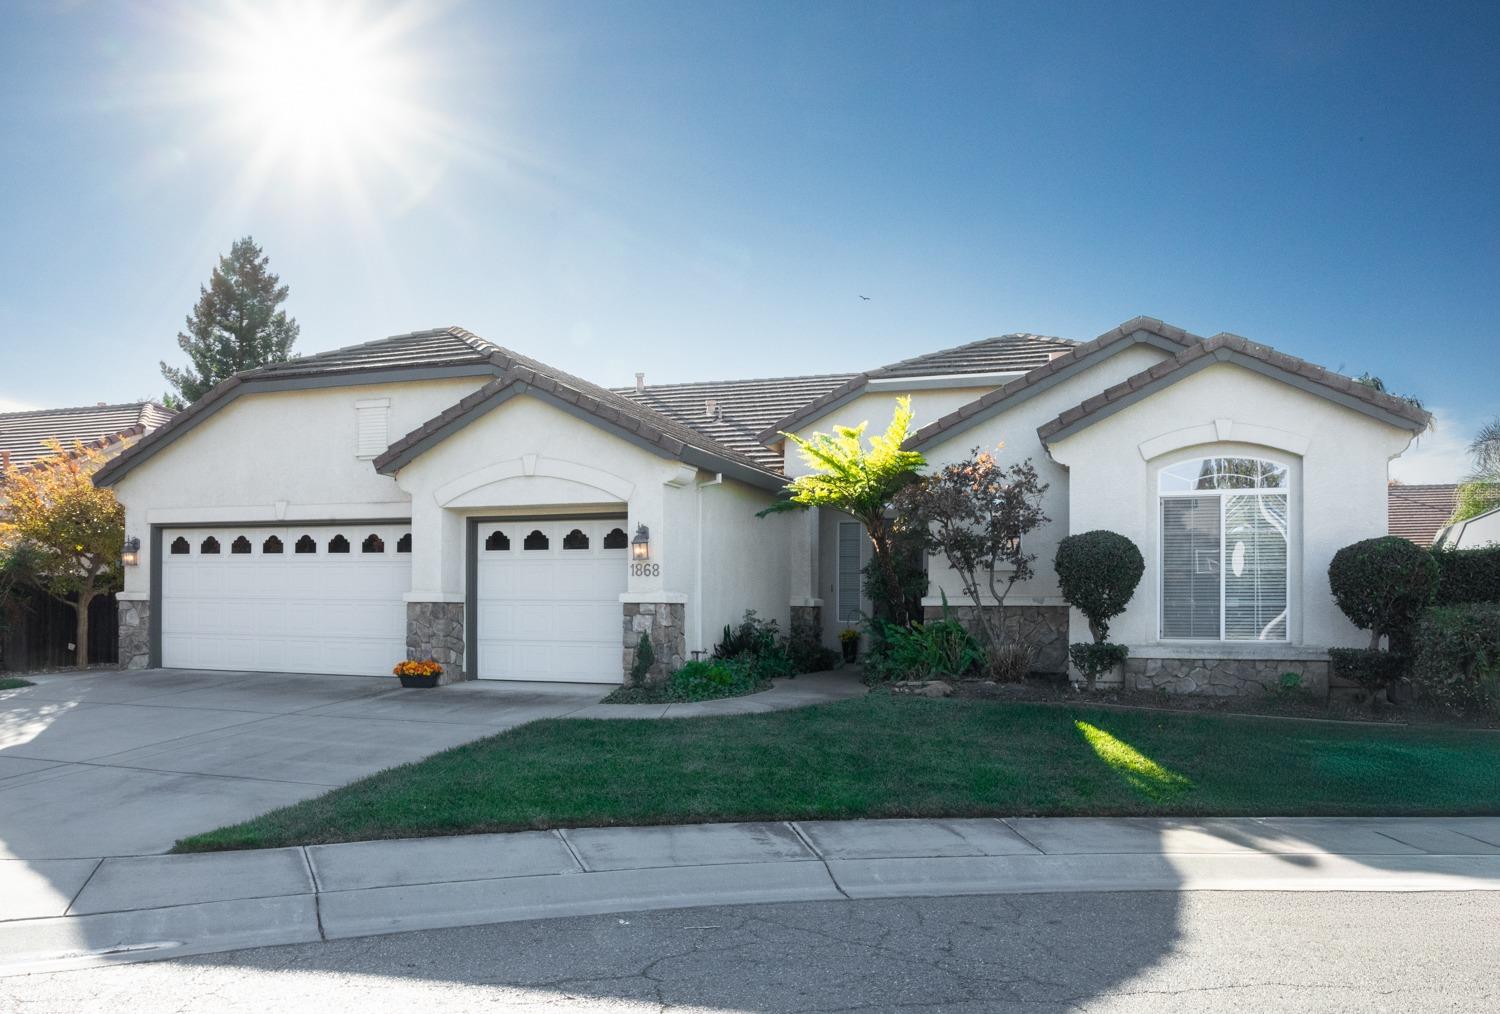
(61, 533)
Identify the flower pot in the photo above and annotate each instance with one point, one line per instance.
(419, 681)
(851, 650)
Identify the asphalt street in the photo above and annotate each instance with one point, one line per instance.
(1158, 952)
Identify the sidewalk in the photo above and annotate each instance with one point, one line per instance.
(75, 913)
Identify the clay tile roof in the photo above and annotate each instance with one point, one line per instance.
(1418, 512)
(1229, 347)
(1007, 353)
(22, 433)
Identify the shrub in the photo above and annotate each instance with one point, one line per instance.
(810, 656)
(1009, 662)
(703, 680)
(1457, 663)
(645, 658)
(752, 636)
(1383, 585)
(1371, 668)
(1095, 658)
(923, 651)
(1468, 575)
(1098, 572)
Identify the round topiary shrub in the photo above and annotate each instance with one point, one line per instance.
(1383, 585)
(1098, 572)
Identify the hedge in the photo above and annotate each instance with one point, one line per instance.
(1468, 575)
(1383, 585)
(1458, 656)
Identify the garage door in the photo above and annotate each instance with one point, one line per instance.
(549, 600)
(323, 599)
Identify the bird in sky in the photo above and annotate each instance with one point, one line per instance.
(865, 298)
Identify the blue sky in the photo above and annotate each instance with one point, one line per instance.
(704, 190)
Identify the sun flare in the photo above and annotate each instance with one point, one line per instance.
(324, 91)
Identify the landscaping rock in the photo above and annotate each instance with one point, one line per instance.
(922, 688)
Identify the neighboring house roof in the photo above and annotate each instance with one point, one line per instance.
(1008, 353)
(1137, 330)
(22, 434)
(735, 412)
(1419, 512)
(1228, 348)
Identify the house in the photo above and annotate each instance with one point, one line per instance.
(1419, 512)
(23, 435)
(1471, 533)
(41, 634)
(436, 495)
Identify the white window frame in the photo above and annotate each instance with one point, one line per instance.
(1223, 495)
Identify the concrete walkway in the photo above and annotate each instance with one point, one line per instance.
(80, 913)
(109, 763)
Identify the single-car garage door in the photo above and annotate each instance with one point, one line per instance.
(320, 598)
(549, 599)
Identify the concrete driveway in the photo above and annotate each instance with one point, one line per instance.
(125, 763)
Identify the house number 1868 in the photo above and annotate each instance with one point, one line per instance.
(645, 570)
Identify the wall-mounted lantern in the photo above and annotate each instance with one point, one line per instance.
(640, 545)
(130, 553)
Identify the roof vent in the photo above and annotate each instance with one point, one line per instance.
(100, 404)
(640, 383)
(710, 409)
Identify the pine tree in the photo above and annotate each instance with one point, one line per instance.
(236, 325)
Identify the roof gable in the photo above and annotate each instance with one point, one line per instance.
(594, 405)
(1228, 348)
(1010, 353)
(1136, 331)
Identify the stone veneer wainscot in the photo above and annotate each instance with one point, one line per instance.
(662, 622)
(435, 630)
(135, 634)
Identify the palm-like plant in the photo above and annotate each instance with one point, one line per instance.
(860, 481)
(1480, 492)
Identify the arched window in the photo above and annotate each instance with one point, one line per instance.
(338, 544)
(180, 546)
(271, 546)
(403, 544)
(616, 539)
(240, 546)
(536, 540)
(1225, 548)
(209, 546)
(576, 540)
(372, 544)
(306, 545)
(498, 542)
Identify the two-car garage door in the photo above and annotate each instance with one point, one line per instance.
(329, 598)
(320, 599)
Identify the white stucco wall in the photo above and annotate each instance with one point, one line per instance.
(744, 562)
(273, 456)
(1340, 461)
(1011, 437)
(1475, 532)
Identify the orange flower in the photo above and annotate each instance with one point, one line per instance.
(415, 667)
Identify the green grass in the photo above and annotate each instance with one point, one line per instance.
(884, 757)
(14, 683)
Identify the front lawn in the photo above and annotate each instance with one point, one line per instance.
(885, 757)
(13, 683)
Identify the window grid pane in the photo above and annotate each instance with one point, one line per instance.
(1255, 568)
(1190, 559)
